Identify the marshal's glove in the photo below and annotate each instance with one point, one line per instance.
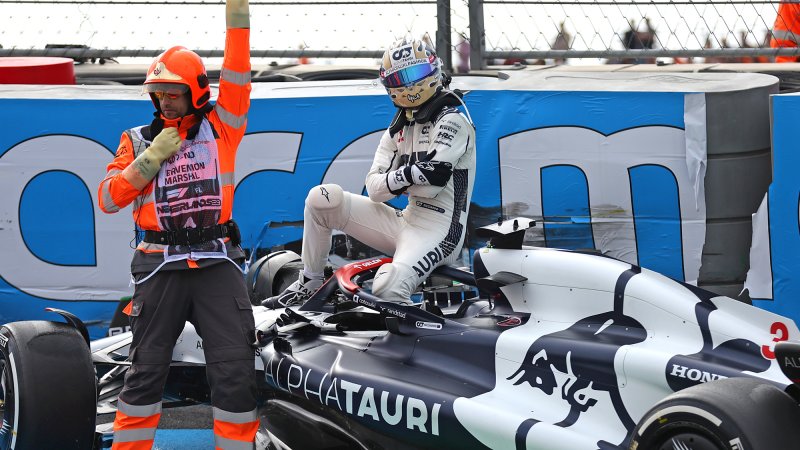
(422, 173)
(146, 166)
(166, 144)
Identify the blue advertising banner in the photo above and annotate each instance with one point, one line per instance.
(774, 264)
(617, 170)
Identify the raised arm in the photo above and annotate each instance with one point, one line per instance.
(786, 31)
(237, 14)
(233, 100)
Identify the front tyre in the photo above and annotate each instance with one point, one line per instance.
(730, 414)
(48, 387)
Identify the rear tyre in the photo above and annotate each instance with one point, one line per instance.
(734, 413)
(272, 274)
(286, 276)
(48, 387)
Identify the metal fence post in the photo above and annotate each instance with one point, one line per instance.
(444, 45)
(476, 35)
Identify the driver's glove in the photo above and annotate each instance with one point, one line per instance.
(422, 173)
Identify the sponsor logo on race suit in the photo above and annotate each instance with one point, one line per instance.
(429, 206)
(450, 126)
(428, 262)
(325, 193)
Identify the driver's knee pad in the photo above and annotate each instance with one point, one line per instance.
(391, 283)
(325, 197)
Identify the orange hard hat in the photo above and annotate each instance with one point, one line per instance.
(179, 66)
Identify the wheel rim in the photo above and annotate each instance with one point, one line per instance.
(689, 440)
(6, 404)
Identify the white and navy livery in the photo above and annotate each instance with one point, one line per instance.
(560, 350)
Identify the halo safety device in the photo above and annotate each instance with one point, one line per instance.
(411, 72)
(176, 67)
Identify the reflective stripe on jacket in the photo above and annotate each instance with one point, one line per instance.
(229, 119)
(786, 31)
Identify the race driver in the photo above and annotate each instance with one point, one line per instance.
(428, 153)
(178, 173)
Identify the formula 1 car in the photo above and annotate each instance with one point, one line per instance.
(555, 350)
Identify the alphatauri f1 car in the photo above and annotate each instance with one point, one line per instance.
(556, 350)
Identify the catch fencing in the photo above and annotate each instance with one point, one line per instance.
(470, 34)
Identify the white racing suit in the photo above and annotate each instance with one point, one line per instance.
(429, 232)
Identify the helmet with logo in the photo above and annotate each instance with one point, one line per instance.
(179, 70)
(411, 72)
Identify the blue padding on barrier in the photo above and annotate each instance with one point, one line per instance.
(118, 115)
(184, 440)
(784, 210)
(269, 202)
(657, 218)
(276, 209)
(58, 203)
(565, 198)
(16, 305)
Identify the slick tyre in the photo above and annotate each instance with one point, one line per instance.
(729, 414)
(48, 387)
(272, 274)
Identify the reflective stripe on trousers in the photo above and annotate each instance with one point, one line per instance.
(234, 431)
(135, 426)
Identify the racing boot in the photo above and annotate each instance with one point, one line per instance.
(296, 294)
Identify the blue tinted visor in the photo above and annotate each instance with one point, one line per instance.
(408, 75)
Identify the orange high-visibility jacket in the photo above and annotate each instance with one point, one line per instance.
(786, 31)
(228, 118)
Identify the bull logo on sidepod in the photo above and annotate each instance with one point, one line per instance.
(584, 354)
(562, 376)
(580, 359)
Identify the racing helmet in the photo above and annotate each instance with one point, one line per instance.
(178, 70)
(411, 72)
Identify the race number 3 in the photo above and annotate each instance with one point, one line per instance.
(779, 333)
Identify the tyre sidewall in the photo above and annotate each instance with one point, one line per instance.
(673, 418)
(736, 413)
(53, 376)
